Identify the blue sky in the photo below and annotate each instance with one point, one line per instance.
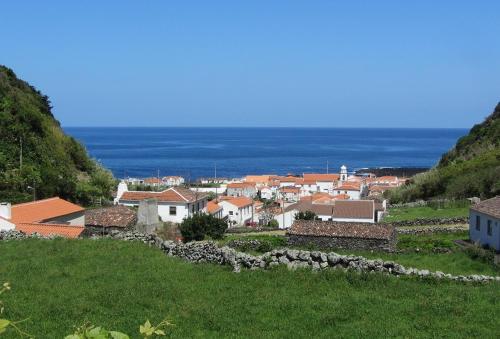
(258, 63)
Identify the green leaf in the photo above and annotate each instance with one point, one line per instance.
(4, 323)
(159, 332)
(118, 335)
(72, 336)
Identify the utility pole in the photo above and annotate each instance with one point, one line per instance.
(158, 178)
(327, 167)
(21, 154)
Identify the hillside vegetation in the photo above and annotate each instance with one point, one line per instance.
(471, 168)
(57, 284)
(35, 154)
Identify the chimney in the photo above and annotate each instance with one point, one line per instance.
(5, 210)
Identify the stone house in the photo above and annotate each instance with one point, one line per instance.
(107, 219)
(353, 236)
(484, 223)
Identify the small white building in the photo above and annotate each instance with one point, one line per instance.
(289, 194)
(241, 189)
(340, 210)
(238, 210)
(484, 223)
(173, 180)
(174, 204)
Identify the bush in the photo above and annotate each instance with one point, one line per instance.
(273, 223)
(200, 225)
(307, 215)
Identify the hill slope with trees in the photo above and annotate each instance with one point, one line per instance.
(471, 168)
(36, 156)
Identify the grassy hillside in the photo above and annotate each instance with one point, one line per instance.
(35, 152)
(471, 168)
(61, 283)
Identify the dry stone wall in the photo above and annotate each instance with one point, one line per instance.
(209, 252)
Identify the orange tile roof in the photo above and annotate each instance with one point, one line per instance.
(349, 186)
(42, 210)
(240, 184)
(258, 178)
(342, 197)
(320, 177)
(213, 207)
(289, 179)
(152, 181)
(66, 231)
(177, 194)
(290, 190)
(240, 201)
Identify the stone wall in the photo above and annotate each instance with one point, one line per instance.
(428, 221)
(431, 230)
(209, 252)
(342, 242)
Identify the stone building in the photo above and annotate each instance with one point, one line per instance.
(107, 219)
(353, 236)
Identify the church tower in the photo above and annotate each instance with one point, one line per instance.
(343, 173)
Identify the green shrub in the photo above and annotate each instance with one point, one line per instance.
(200, 225)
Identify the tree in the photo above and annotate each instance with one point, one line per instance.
(200, 225)
(307, 215)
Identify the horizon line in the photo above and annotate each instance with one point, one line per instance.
(264, 127)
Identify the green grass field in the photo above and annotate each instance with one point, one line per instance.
(410, 213)
(61, 283)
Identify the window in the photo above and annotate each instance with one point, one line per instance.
(172, 210)
(478, 223)
(489, 228)
(230, 212)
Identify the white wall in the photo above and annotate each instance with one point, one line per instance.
(239, 215)
(6, 225)
(481, 235)
(285, 220)
(75, 219)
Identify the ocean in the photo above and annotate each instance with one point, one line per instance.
(235, 152)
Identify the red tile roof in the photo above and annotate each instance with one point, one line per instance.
(290, 190)
(213, 207)
(42, 210)
(349, 186)
(174, 194)
(240, 184)
(67, 231)
(240, 201)
(320, 177)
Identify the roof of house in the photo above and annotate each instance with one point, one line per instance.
(348, 209)
(213, 207)
(290, 190)
(341, 230)
(309, 177)
(67, 231)
(152, 181)
(240, 201)
(114, 216)
(490, 207)
(173, 194)
(341, 196)
(240, 184)
(290, 179)
(42, 210)
(349, 186)
(258, 178)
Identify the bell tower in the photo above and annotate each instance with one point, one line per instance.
(343, 173)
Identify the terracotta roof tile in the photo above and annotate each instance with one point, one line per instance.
(173, 194)
(213, 207)
(42, 210)
(240, 201)
(321, 177)
(240, 184)
(67, 231)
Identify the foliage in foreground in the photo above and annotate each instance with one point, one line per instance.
(36, 156)
(199, 225)
(77, 279)
(470, 169)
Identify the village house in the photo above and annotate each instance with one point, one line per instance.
(152, 182)
(238, 210)
(484, 223)
(172, 180)
(320, 182)
(365, 211)
(241, 189)
(106, 219)
(53, 216)
(289, 194)
(267, 192)
(352, 236)
(354, 190)
(174, 204)
(215, 209)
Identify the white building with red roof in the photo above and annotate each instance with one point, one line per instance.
(174, 204)
(238, 210)
(53, 216)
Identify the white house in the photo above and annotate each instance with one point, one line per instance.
(355, 190)
(238, 210)
(291, 194)
(484, 223)
(320, 182)
(339, 210)
(174, 204)
(215, 209)
(173, 180)
(267, 192)
(52, 216)
(241, 189)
